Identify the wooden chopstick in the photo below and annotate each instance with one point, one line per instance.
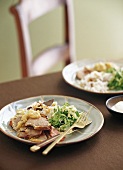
(36, 147)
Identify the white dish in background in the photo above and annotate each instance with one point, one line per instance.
(69, 74)
(95, 115)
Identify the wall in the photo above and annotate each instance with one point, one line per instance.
(9, 63)
(99, 33)
(99, 28)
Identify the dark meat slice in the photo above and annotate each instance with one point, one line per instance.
(54, 132)
(39, 124)
(40, 138)
(39, 105)
(49, 102)
(29, 132)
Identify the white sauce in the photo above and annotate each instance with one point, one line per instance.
(118, 107)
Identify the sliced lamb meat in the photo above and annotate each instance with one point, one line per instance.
(54, 132)
(27, 133)
(40, 138)
(39, 124)
(14, 121)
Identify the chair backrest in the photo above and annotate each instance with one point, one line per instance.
(27, 11)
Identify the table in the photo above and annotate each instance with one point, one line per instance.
(104, 151)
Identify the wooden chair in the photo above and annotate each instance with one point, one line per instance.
(27, 11)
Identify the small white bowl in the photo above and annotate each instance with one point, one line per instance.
(113, 101)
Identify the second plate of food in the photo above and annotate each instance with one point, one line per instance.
(103, 77)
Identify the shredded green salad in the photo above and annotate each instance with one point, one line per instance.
(116, 83)
(64, 116)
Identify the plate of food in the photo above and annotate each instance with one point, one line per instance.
(36, 119)
(103, 77)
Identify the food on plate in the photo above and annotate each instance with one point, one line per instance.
(100, 77)
(42, 120)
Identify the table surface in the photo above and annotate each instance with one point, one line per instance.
(104, 151)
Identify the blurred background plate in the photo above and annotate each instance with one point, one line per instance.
(69, 73)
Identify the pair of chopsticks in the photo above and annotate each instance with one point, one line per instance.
(37, 147)
(54, 141)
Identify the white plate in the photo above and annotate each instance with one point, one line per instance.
(69, 74)
(96, 116)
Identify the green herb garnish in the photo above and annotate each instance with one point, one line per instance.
(116, 83)
(64, 116)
